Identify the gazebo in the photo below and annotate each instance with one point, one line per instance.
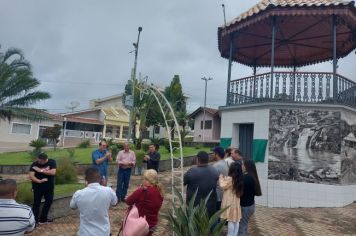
(290, 33)
(294, 124)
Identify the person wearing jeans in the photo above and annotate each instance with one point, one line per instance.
(252, 188)
(233, 189)
(42, 174)
(126, 160)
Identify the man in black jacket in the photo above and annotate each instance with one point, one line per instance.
(42, 174)
(204, 178)
(152, 158)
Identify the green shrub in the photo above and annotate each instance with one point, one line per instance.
(145, 146)
(157, 141)
(71, 153)
(198, 146)
(175, 145)
(66, 171)
(84, 144)
(24, 193)
(139, 157)
(115, 148)
(187, 219)
(37, 145)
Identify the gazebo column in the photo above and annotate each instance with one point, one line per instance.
(272, 53)
(228, 95)
(294, 74)
(254, 81)
(335, 87)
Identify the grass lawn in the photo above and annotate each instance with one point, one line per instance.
(25, 194)
(81, 155)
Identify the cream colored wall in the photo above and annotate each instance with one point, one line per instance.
(90, 114)
(115, 102)
(7, 136)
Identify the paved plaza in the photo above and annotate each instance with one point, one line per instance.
(266, 221)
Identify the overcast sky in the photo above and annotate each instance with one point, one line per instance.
(79, 49)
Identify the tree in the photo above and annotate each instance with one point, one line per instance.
(147, 111)
(53, 133)
(18, 87)
(139, 111)
(175, 96)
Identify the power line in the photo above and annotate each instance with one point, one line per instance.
(87, 83)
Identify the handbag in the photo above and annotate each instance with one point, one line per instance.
(133, 224)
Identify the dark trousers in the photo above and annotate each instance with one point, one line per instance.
(123, 180)
(37, 197)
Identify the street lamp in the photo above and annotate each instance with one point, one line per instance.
(131, 130)
(206, 87)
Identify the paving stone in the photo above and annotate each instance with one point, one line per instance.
(265, 222)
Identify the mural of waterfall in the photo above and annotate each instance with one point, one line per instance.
(306, 146)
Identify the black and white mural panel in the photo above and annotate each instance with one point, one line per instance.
(308, 146)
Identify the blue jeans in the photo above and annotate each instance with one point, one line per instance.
(123, 180)
(246, 212)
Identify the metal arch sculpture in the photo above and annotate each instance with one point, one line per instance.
(167, 111)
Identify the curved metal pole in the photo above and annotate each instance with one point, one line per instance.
(170, 140)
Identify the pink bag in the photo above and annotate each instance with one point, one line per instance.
(133, 224)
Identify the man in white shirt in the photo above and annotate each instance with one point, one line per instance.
(15, 219)
(126, 160)
(93, 203)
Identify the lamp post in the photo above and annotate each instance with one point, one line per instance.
(206, 87)
(131, 118)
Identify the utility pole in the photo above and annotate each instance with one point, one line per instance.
(131, 133)
(206, 87)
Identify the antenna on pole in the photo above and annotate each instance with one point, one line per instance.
(72, 105)
(223, 8)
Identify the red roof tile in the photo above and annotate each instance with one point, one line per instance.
(211, 111)
(83, 120)
(265, 4)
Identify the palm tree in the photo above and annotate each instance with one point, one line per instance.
(18, 87)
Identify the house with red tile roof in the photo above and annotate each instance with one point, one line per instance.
(210, 132)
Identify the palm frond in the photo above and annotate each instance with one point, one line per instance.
(28, 99)
(17, 87)
(12, 52)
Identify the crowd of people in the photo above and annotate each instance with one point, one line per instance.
(231, 181)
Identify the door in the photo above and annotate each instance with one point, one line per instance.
(246, 140)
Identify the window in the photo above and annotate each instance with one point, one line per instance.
(41, 130)
(116, 132)
(21, 128)
(208, 124)
(125, 131)
(108, 131)
(157, 129)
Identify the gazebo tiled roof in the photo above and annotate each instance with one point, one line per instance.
(303, 35)
(265, 4)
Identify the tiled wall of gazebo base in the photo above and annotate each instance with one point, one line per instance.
(297, 194)
(279, 193)
(260, 118)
